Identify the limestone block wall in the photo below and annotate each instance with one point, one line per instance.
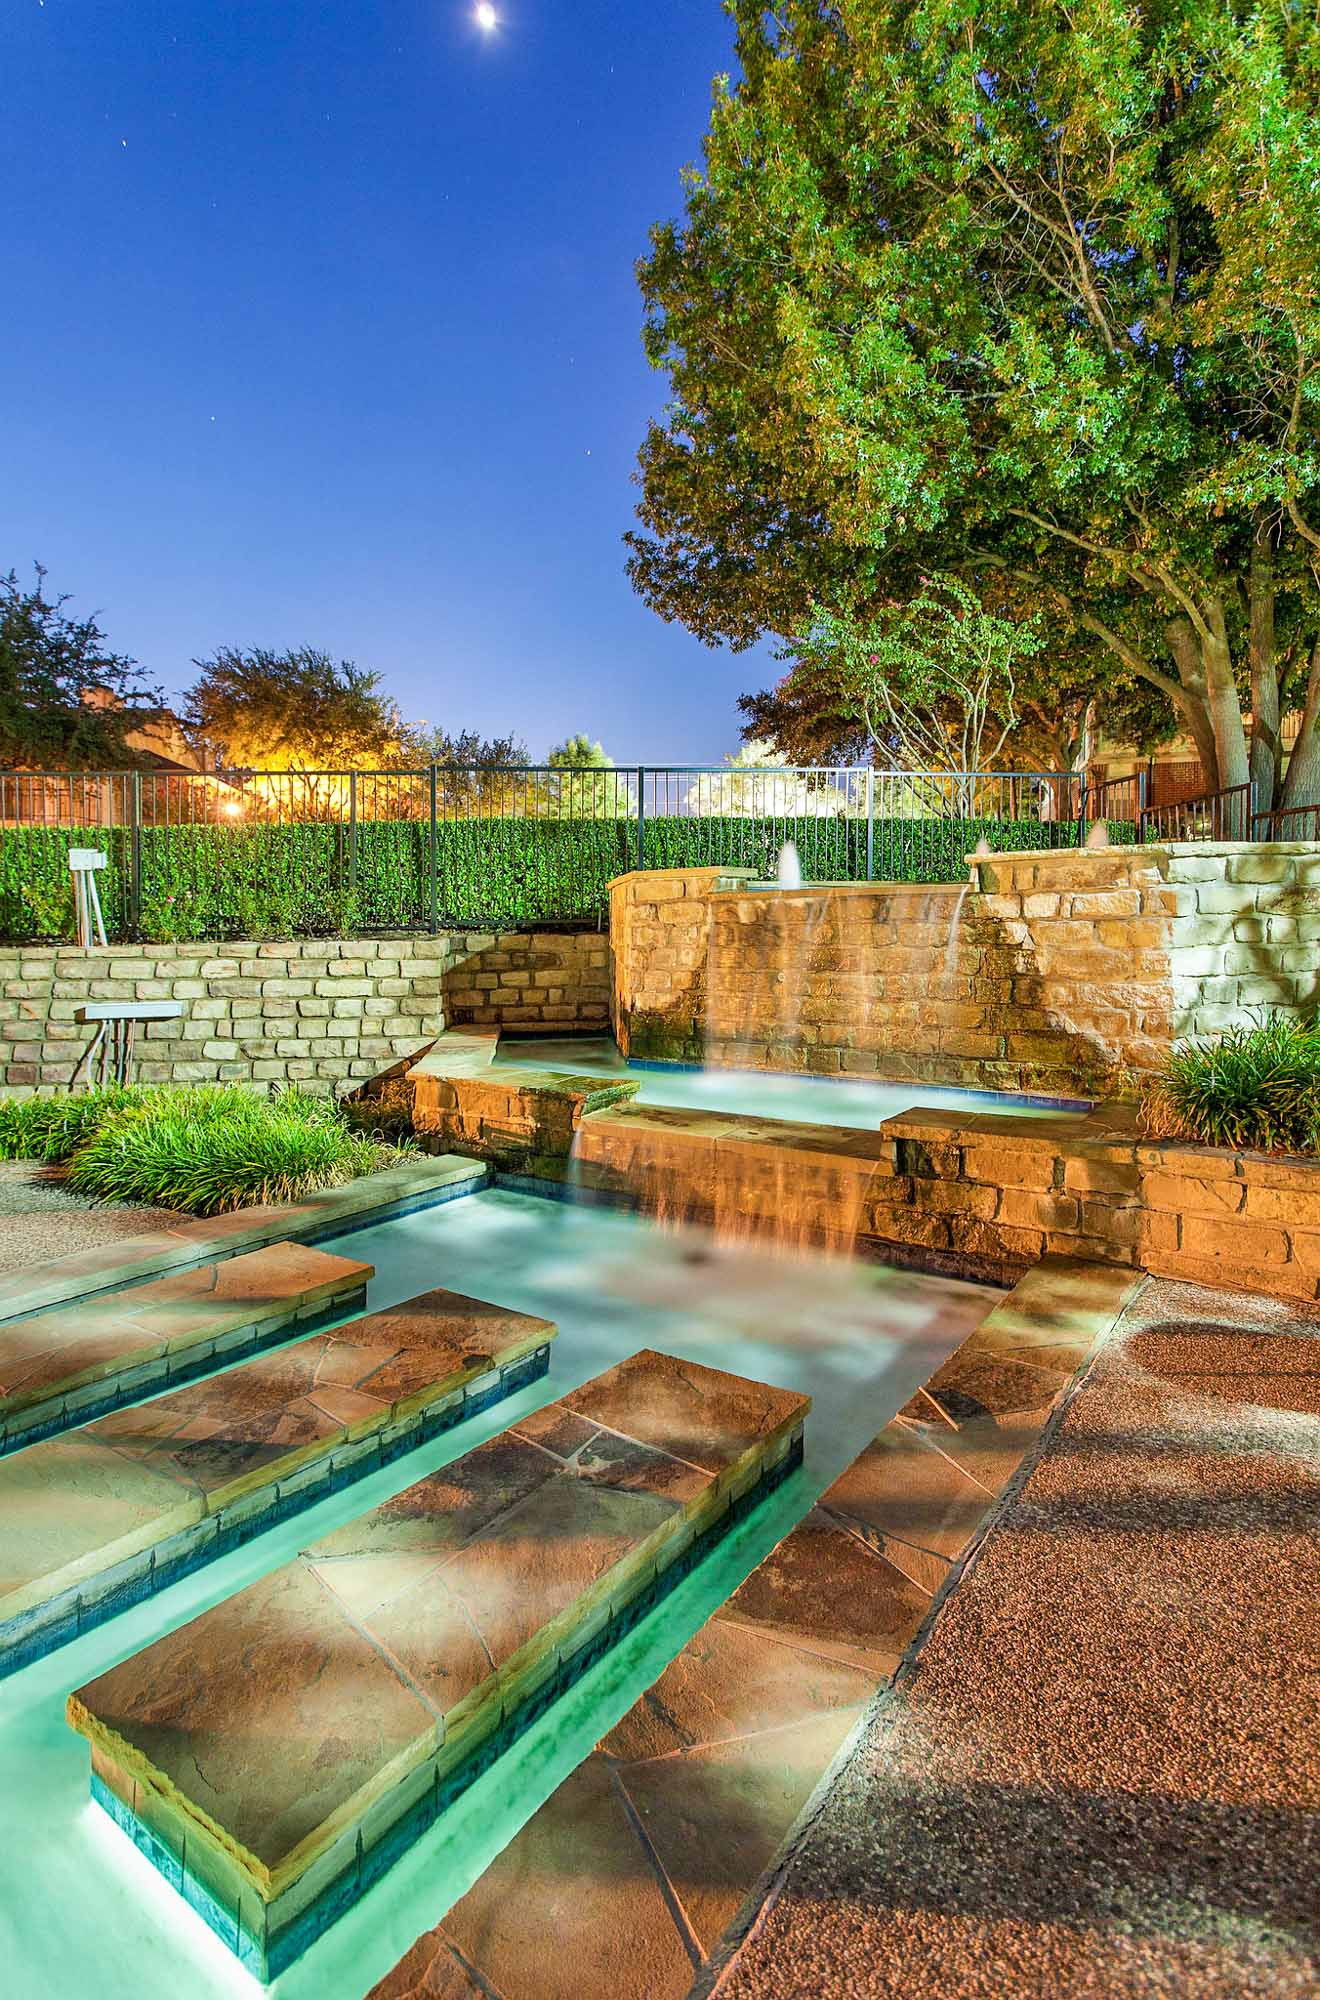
(1064, 972)
(533, 982)
(323, 1014)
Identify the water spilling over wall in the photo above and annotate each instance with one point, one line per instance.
(1062, 972)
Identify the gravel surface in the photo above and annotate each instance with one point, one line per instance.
(1103, 1776)
(41, 1218)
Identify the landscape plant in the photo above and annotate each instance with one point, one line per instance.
(1256, 1089)
(1027, 296)
(202, 1151)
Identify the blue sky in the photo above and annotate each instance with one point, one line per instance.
(321, 328)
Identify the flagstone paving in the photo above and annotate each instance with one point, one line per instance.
(275, 1755)
(417, 1182)
(97, 1519)
(629, 1876)
(57, 1369)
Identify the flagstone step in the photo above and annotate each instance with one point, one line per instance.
(276, 1755)
(58, 1369)
(421, 1182)
(628, 1879)
(98, 1519)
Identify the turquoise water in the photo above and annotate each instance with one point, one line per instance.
(763, 1094)
(82, 1912)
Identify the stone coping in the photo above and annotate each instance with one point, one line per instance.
(633, 1872)
(208, 1239)
(61, 1367)
(101, 1518)
(275, 1755)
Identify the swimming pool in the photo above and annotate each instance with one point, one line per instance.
(813, 1100)
(81, 1910)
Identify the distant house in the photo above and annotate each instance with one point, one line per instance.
(164, 776)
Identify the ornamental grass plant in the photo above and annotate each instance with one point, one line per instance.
(1255, 1089)
(201, 1151)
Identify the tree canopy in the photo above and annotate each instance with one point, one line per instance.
(1031, 299)
(67, 703)
(297, 711)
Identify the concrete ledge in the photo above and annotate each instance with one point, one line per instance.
(335, 1211)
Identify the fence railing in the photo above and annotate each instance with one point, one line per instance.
(1288, 823)
(242, 853)
(1225, 815)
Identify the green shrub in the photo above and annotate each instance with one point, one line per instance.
(200, 1151)
(1254, 1089)
(51, 1128)
(265, 880)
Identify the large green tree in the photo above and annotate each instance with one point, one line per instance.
(67, 703)
(1030, 297)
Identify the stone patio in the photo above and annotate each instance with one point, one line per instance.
(104, 1516)
(59, 1368)
(629, 1877)
(275, 1755)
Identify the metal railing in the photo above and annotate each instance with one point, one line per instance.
(1225, 815)
(234, 853)
(1288, 823)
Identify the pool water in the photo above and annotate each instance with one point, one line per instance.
(814, 1100)
(81, 1911)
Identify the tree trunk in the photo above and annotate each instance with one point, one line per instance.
(1265, 745)
(1222, 701)
(1302, 784)
(1182, 643)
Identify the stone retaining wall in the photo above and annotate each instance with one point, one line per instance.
(319, 1013)
(982, 1195)
(1064, 972)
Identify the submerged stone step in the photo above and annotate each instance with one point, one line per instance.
(97, 1520)
(273, 1757)
(58, 1369)
(415, 1183)
(638, 1868)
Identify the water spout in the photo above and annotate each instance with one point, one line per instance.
(1098, 835)
(788, 871)
(983, 846)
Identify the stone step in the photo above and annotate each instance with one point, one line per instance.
(98, 1519)
(359, 1204)
(275, 1756)
(639, 1867)
(62, 1368)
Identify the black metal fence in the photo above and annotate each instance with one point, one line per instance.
(232, 854)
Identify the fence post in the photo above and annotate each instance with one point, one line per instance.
(1081, 806)
(641, 816)
(352, 833)
(135, 859)
(870, 822)
(434, 887)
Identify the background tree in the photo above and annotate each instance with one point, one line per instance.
(67, 703)
(580, 790)
(297, 711)
(935, 679)
(1029, 297)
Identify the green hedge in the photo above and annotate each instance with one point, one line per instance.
(313, 880)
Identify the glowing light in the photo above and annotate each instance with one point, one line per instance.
(233, 807)
(485, 17)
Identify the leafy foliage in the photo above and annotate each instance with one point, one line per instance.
(268, 880)
(935, 680)
(67, 702)
(1029, 297)
(297, 711)
(1255, 1089)
(201, 1151)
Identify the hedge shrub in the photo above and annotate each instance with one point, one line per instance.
(309, 880)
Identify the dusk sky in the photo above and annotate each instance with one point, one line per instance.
(320, 328)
